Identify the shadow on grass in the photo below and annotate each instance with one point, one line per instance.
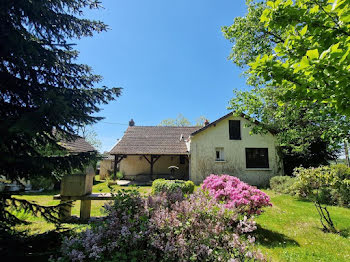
(270, 238)
(345, 232)
(37, 248)
(37, 193)
(96, 182)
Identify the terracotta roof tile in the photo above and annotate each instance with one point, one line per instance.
(78, 145)
(157, 140)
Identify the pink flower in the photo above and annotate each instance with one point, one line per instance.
(236, 194)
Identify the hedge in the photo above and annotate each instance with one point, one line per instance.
(169, 186)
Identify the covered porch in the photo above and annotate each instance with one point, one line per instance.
(148, 167)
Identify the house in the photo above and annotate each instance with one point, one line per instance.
(223, 146)
(106, 165)
(77, 145)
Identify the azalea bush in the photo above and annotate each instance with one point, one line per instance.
(236, 194)
(165, 227)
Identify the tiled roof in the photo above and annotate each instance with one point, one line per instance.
(226, 116)
(157, 140)
(78, 145)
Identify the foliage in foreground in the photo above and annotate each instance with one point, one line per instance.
(170, 186)
(44, 93)
(165, 227)
(236, 194)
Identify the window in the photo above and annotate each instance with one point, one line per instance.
(219, 154)
(235, 129)
(257, 157)
(182, 160)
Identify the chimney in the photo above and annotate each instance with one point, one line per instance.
(131, 122)
(206, 122)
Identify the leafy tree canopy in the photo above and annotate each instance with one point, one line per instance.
(304, 47)
(308, 130)
(42, 87)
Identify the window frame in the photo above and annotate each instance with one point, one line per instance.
(249, 164)
(230, 135)
(221, 154)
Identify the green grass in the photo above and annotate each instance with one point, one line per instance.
(39, 225)
(291, 231)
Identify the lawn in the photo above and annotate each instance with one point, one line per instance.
(39, 225)
(288, 231)
(291, 231)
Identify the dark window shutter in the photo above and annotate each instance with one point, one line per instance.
(257, 157)
(182, 160)
(235, 129)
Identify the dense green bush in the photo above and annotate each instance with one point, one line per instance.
(282, 184)
(327, 184)
(41, 182)
(169, 186)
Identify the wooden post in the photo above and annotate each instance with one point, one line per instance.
(85, 209)
(152, 167)
(115, 164)
(117, 159)
(153, 159)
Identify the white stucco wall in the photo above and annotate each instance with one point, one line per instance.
(202, 150)
(137, 165)
(106, 165)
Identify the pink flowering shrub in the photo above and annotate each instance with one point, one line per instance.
(165, 227)
(236, 194)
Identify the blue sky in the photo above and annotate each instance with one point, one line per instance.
(169, 57)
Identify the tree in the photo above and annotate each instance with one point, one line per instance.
(182, 121)
(42, 87)
(200, 121)
(310, 54)
(44, 92)
(309, 133)
(90, 135)
(179, 121)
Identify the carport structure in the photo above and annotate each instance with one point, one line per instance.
(152, 149)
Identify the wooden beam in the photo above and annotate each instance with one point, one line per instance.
(156, 158)
(152, 162)
(117, 159)
(149, 161)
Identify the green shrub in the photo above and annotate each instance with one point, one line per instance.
(40, 182)
(118, 175)
(282, 184)
(326, 184)
(170, 186)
